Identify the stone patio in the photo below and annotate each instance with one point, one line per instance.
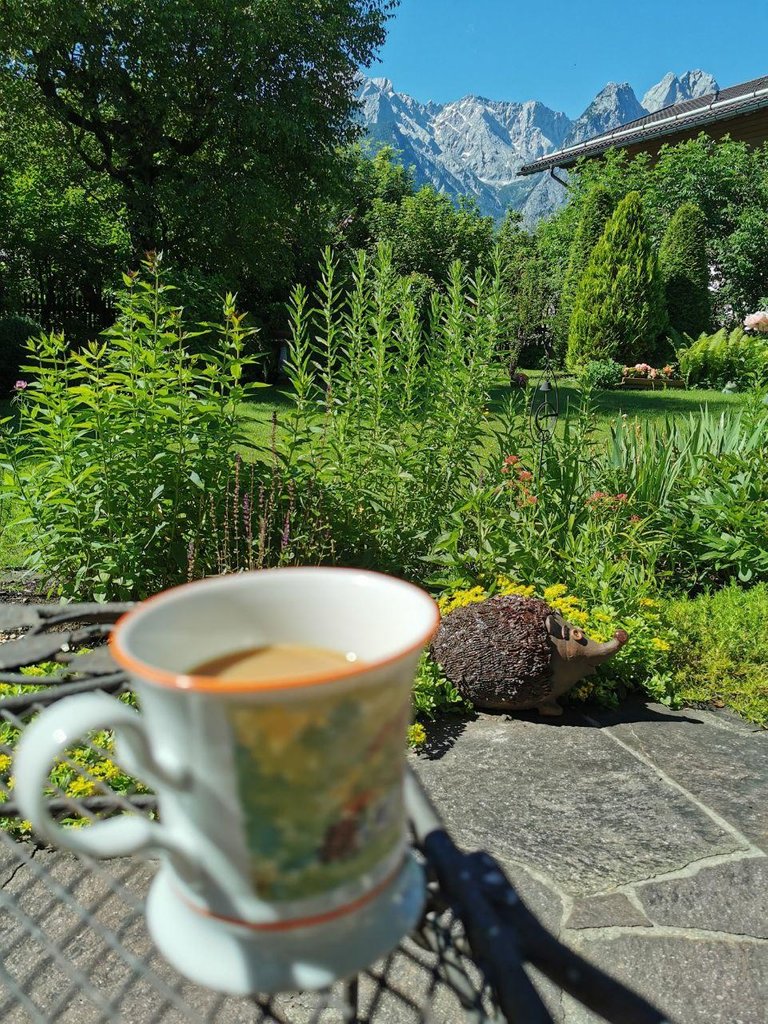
(640, 838)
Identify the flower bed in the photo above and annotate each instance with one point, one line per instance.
(644, 377)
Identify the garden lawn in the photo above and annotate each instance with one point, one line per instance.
(640, 405)
(259, 412)
(13, 545)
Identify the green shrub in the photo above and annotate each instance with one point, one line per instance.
(674, 505)
(619, 307)
(389, 426)
(598, 205)
(601, 374)
(685, 270)
(123, 451)
(714, 360)
(719, 653)
(641, 664)
(14, 333)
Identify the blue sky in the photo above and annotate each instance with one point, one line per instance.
(562, 52)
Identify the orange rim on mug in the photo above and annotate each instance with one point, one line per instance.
(183, 681)
(298, 922)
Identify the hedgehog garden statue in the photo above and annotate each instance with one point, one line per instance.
(515, 653)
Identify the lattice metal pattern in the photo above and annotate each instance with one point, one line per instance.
(73, 942)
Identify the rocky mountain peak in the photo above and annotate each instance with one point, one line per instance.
(614, 105)
(672, 89)
(474, 145)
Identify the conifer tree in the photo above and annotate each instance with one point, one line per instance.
(685, 270)
(598, 205)
(619, 310)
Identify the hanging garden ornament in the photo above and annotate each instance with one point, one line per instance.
(545, 401)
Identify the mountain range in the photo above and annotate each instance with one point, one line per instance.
(475, 146)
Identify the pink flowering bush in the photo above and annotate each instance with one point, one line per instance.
(643, 371)
(757, 321)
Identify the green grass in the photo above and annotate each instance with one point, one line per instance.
(258, 413)
(13, 543)
(642, 406)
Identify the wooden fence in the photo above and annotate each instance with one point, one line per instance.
(54, 309)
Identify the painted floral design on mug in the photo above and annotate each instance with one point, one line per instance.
(320, 783)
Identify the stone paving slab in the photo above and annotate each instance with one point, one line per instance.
(651, 826)
(694, 981)
(610, 911)
(569, 802)
(730, 897)
(723, 764)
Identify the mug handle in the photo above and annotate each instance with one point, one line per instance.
(57, 728)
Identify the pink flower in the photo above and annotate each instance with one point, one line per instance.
(525, 475)
(511, 460)
(635, 519)
(757, 321)
(653, 373)
(620, 497)
(20, 385)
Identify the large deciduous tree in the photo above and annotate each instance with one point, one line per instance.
(60, 223)
(424, 228)
(218, 120)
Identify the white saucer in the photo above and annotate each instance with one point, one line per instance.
(241, 961)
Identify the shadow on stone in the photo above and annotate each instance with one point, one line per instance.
(442, 733)
(594, 716)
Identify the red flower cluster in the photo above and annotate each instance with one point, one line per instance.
(522, 479)
(605, 500)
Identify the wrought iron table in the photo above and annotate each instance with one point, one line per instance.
(73, 946)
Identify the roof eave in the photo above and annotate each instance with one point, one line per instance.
(569, 157)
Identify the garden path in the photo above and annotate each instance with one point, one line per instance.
(640, 837)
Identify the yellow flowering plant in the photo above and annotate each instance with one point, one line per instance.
(643, 662)
(88, 769)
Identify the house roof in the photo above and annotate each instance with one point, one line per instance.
(691, 114)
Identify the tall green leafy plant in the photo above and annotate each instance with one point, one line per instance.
(619, 309)
(122, 450)
(389, 423)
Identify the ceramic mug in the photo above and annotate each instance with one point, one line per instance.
(282, 832)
